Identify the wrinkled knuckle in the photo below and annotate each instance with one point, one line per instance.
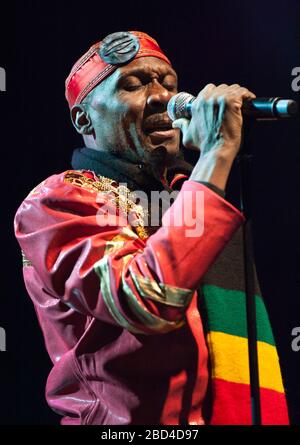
(232, 95)
(227, 99)
(233, 103)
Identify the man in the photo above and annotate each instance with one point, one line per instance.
(144, 324)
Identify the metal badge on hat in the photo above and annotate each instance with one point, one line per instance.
(119, 48)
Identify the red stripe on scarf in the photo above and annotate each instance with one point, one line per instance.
(273, 405)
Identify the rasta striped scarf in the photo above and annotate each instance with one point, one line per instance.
(222, 303)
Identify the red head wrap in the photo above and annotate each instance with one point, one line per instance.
(104, 57)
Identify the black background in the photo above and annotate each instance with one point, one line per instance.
(254, 43)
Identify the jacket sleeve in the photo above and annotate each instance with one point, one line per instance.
(106, 270)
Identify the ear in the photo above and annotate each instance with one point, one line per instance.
(81, 119)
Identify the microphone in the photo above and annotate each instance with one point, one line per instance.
(260, 108)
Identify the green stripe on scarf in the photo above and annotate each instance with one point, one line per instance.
(226, 313)
(226, 333)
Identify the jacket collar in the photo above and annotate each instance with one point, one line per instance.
(136, 176)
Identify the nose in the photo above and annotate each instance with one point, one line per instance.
(158, 97)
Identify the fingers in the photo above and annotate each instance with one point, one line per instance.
(188, 136)
(181, 123)
(217, 99)
(247, 94)
(215, 109)
(212, 91)
(207, 91)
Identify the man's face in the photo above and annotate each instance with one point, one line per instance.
(128, 112)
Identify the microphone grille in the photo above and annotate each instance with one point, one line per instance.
(177, 105)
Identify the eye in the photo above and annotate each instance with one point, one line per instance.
(170, 86)
(170, 83)
(131, 83)
(132, 87)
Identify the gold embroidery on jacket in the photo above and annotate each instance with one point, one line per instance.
(119, 193)
(119, 240)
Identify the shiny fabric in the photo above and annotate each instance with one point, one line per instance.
(90, 69)
(80, 275)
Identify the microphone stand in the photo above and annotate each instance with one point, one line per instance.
(244, 160)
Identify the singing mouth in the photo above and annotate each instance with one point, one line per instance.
(159, 128)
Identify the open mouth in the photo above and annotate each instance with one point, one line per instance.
(159, 129)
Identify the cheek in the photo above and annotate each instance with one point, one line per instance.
(110, 108)
(100, 103)
(135, 135)
(121, 115)
(126, 127)
(131, 118)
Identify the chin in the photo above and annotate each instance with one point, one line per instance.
(163, 154)
(166, 153)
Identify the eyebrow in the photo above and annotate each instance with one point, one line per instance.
(145, 72)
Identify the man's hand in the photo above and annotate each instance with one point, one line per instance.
(215, 129)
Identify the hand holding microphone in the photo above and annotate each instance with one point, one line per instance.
(212, 123)
(263, 108)
(216, 120)
(214, 128)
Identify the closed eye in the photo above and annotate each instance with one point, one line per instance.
(170, 87)
(132, 87)
(134, 82)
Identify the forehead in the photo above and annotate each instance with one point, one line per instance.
(147, 65)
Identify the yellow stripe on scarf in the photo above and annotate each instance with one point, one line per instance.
(230, 361)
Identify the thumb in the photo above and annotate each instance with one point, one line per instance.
(181, 123)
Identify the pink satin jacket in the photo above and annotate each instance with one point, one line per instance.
(117, 307)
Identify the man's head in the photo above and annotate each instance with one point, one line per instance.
(124, 109)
